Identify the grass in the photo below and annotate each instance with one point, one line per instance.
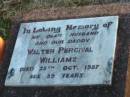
(5, 25)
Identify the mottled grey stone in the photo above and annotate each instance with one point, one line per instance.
(90, 55)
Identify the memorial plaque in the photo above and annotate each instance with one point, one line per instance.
(71, 52)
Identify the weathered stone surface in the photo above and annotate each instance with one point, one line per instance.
(71, 52)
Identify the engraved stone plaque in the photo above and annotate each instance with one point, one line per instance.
(70, 52)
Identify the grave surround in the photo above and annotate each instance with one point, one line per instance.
(118, 87)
